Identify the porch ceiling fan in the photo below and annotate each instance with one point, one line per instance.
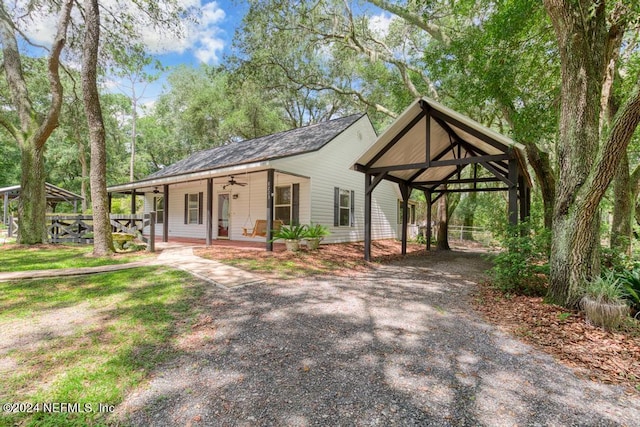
(232, 181)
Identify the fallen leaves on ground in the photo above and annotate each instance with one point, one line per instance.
(339, 258)
(605, 356)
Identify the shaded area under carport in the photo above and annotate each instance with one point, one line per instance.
(427, 147)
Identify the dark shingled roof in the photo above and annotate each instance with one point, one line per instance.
(283, 144)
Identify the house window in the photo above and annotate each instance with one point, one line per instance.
(283, 204)
(193, 208)
(158, 203)
(412, 213)
(344, 201)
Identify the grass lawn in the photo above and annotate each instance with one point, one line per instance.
(88, 340)
(45, 257)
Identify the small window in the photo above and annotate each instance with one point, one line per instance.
(343, 208)
(193, 208)
(283, 204)
(158, 203)
(412, 212)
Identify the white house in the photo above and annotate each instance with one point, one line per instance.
(299, 176)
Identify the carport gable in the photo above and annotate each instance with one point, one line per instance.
(429, 145)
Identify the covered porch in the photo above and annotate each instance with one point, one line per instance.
(427, 148)
(216, 207)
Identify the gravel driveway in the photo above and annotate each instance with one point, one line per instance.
(398, 345)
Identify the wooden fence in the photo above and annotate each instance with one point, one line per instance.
(79, 228)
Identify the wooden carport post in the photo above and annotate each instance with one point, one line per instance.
(524, 196)
(367, 216)
(513, 191)
(427, 196)
(270, 190)
(405, 191)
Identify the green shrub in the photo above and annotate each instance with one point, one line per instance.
(604, 301)
(630, 280)
(523, 265)
(607, 288)
(315, 231)
(292, 232)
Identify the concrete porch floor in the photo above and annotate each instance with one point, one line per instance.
(177, 242)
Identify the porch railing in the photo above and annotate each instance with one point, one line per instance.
(79, 228)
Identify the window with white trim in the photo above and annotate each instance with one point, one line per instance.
(158, 203)
(193, 208)
(282, 204)
(412, 212)
(344, 201)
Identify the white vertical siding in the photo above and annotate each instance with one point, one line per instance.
(328, 168)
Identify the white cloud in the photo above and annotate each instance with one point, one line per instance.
(205, 40)
(202, 36)
(380, 24)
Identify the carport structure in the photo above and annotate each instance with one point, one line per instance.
(427, 147)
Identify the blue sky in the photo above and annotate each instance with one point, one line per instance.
(204, 41)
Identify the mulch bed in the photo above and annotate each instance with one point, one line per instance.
(604, 356)
(341, 259)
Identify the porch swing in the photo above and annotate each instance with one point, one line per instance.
(260, 227)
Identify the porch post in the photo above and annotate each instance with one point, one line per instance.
(404, 190)
(165, 207)
(133, 201)
(367, 216)
(5, 220)
(151, 245)
(513, 192)
(270, 182)
(429, 215)
(209, 221)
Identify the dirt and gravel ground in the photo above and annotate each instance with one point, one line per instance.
(398, 344)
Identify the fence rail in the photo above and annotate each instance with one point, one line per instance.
(79, 228)
(479, 234)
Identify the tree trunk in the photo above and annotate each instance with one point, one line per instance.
(442, 240)
(574, 255)
(32, 204)
(103, 240)
(622, 208)
(84, 169)
(545, 177)
(35, 127)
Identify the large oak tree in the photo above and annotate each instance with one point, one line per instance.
(34, 123)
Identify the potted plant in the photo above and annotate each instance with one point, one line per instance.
(314, 235)
(291, 236)
(604, 303)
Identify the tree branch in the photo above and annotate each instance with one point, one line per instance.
(622, 131)
(15, 132)
(51, 121)
(433, 30)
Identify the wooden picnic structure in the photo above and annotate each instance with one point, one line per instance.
(54, 195)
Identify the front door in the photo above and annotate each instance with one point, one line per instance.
(223, 216)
